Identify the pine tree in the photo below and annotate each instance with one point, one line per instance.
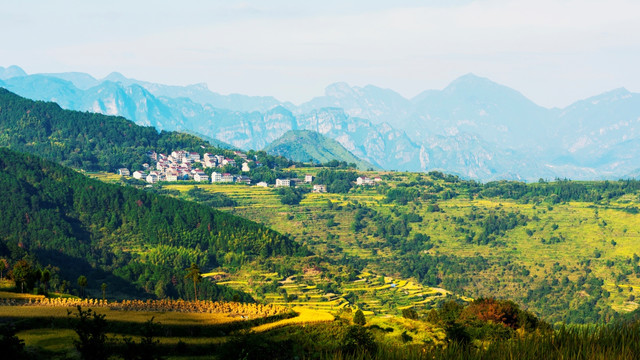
(359, 318)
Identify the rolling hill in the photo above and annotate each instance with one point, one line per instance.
(305, 146)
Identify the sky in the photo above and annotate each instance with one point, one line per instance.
(553, 51)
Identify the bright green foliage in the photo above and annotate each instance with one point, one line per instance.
(290, 195)
(336, 181)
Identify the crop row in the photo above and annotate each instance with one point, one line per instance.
(200, 306)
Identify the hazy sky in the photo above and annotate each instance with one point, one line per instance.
(553, 51)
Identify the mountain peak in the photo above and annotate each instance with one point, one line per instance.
(115, 77)
(338, 90)
(11, 72)
(469, 80)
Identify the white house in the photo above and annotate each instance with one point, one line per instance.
(245, 167)
(124, 172)
(308, 178)
(228, 161)
(218, 158)
(364, 181)
(319, 189)
(209, 160)
(200, 176)
(226, 177)
(171, 177)
(262, 184)
(139, 174)
(153, 178)
(283, 182)
(216, 177)
(243, 179)
(179, 155)
(193, 156)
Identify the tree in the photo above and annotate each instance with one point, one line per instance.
(20, 273)
(5, 265)
(357, 340)
(103, 287)
(44, 278)
(410, 313)
(92, 334)
(82, 282)
(358, 318)
(195, 275)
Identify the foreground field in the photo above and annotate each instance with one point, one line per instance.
(45, 327)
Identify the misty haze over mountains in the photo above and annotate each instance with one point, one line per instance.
(473, 127)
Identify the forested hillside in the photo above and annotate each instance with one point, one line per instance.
(81, 139)
(75, 225)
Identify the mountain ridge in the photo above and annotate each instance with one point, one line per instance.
(382, 127)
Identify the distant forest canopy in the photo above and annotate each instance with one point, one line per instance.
(556, 191)
(55, 217)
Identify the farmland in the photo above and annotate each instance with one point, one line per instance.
(449, 234)
(45, 324)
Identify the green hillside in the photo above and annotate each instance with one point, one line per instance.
(566, 250)
(83, 140)
(305, 146)
(57, 218)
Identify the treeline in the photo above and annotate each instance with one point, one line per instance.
(336, 181)
(62, 217)
(560, 190)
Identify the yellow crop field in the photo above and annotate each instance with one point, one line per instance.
(305, 316)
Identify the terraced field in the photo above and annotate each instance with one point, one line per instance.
(558, 245)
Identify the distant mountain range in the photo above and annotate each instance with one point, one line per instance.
(474, 127)
(306, 145)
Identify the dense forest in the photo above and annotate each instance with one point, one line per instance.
(74, 225)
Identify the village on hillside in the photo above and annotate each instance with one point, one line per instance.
(183, 165)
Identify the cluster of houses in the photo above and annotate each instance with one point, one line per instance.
(182, 165)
